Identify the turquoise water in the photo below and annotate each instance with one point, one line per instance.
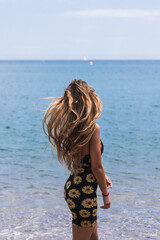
(31, 186)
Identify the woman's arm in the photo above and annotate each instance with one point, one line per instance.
(97, 166)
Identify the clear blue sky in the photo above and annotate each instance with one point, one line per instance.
(72, 29)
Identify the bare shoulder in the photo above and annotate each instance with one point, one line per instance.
(97, 127)
(96, 134)
(95, 137)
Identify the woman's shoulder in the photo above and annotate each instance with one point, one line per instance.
(96, 132)
(95, 136)
(97, 127)
(96, 139)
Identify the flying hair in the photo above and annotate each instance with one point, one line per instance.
(70, 122)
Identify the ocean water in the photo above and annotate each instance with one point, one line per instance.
(31, 185)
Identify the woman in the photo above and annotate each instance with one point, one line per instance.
(71, 127)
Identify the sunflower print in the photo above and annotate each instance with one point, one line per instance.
(85, 165)
(74, 215)
(95, 202)
(93, 224)
(86, 224)
(68, 184)
(94, 213)
(90, 178)
(80, 170)
(74, 193)
(77, 180)
(80, 193)
(70, 203)
(64, 193)
(87, 203)
(88, 189)
(84, 213)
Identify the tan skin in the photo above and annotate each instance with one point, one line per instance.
(93, 148)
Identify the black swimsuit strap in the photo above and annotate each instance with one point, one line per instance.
(102, 146)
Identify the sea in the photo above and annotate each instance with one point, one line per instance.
(32, 205)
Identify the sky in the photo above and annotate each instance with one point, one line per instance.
(72, 29)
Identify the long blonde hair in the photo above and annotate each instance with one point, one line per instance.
(71, 121)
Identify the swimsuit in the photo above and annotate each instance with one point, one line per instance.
(80, 193)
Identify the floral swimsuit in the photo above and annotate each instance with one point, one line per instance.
(80, 193)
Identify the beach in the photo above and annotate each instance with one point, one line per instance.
(31, 185)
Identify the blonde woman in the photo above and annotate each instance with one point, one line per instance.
(71, 127)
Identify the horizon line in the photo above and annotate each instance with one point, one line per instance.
(92, 59)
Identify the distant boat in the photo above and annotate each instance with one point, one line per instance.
(84, 58)
(91, 63)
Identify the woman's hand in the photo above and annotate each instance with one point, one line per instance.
(109, 183)
(106, 199)
(107, 202)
